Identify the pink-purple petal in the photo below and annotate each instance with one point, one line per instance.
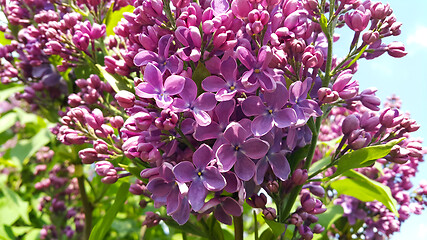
(146, 90)
(255, 148)
(244, 167)
(144, 57)
(213, 84)
(182, 215)
(202, 156)
(262, 124)
(285, 117)
(206, 102)
(229, 68)
(203, 133)
(278, 98)
(232, 207)
(174, 84)
(245, 57)
(184, 171)
(197, 194)
(222, 216)
(261, 169)
(202, 118)
(253, 106)
(153, 76)
(235, 133)
(280, 166)
(226, 156)
(213, 180)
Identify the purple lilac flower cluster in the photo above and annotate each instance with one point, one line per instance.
(396, 169)
(215, 98)
(60, 191)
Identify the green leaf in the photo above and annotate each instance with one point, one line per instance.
(6, 233)
(3, 40)
(215, 228)
(188, 227)
(6, 93)
(327, 218)
(103, 226)
(319, 164)
(200, 73)
(27, 148)
(7, 121)
(357, 57)
(323, 21)
(115, 83)
(113, 18)
(363, 157)
(33, 234)
(276, 227)
(365, 189)
(9, 215)
(15, 203)
(297, 156)
(267, 235)
(25, 117)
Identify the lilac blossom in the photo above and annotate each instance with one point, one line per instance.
(238, 150)
(304, 108)
(153, 86)
(271, 114)
(202, 174)
(197, 106)
(223, 207)
(225, 88)
(191, 40)
(258, 71)
(161, 59)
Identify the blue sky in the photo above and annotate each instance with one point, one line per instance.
(407, 78)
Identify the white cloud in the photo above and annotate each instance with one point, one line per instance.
(419, 37)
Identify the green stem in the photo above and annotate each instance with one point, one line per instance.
(327, 78)
(87, 207)
(255, 226)
(184, 139)
(238, 227)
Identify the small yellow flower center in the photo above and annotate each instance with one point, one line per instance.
(270, 111)
(164, 63)
(232, 88)
(199, 173)
(257, 70)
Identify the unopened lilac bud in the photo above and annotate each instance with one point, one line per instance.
(125, 99)
(116, 122)
(75, 138)
(369, 37)
(88, 155)
(111, 177)
(350, 123)
(312, 58)
(94, 81)
(257, 201)
(317, 190)
(148, 152)
(359, 139)
(74, 100)
(269, 213)
(71, 213)
(299, 177)
(142, 120)
(326, 95)
(136, 189)
(167, 120)
(307, 202)
(151, 219)
(273, 186)
(410, 125)
(305, 232)
(100, 146)
(398, 154)
(345, 85)
(318, 228)
(369, 121)
(391, 117)
(143, 203)
(358, 19)
(296, 219)
(39, 168)
(396, 49)
(415, 149)
(97, 31)
(103, 167)
(380, 11)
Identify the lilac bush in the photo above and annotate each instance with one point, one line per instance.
(218, 112)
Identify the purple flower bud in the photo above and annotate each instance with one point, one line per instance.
(75, 138)
(116, 122)
(305, 232)
(74, 100)
(380, 11)
(257, 201)
(142, 120)
(100, 146)
(398, 155)
(350, 123)
(97, 31)
(167, 120)
(369, 37)
(317, 190)
(359, 139)
(358, 19)
(94, 81)
(307, 202)
(369, 121)
(125, 99)
(390, 117)
(312, 58)
(269, 213)
(148, 152)
(151, 219)
(39, 168)
(396, 49)
(345, 85)
(318, 228)
(137, 189)
(88, 155)
(410, 125)
(103, 167)
(241, 8)
(296, 219)
(326, 95)
(299, 177)
(81, 41)
(273, 186)
(111, 177)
